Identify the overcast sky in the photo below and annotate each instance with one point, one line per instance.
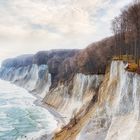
(27, 26)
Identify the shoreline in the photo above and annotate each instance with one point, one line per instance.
(38, 102)
(28, 100)
(57, 116)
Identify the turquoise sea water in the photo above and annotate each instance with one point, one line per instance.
(20, 118)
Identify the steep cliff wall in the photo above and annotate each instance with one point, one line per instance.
(37, 73)
(34, 78)
(75, 96)
(117, 112)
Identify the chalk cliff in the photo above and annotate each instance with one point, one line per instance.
(34, 78)
(96, 98)
(117, 111)
(74, 97)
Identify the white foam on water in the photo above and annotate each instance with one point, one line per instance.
(20, 118)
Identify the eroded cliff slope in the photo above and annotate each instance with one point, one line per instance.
(117, 111)
(74, 97)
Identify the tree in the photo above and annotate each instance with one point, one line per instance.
(126, 29)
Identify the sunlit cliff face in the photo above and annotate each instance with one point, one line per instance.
(70, 99)
(117, 113)
(34, 78)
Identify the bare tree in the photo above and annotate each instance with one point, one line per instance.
(126, 29)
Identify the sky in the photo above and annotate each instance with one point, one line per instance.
(27, 26)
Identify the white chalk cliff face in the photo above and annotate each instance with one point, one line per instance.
(74, 97)
(34, 78)
(117, 112)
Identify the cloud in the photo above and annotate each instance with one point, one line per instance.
(55, 23)
(64, 17)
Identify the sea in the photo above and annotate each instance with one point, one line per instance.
(20, 118)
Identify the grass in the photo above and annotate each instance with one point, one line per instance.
(117, 58)
(128, 58)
